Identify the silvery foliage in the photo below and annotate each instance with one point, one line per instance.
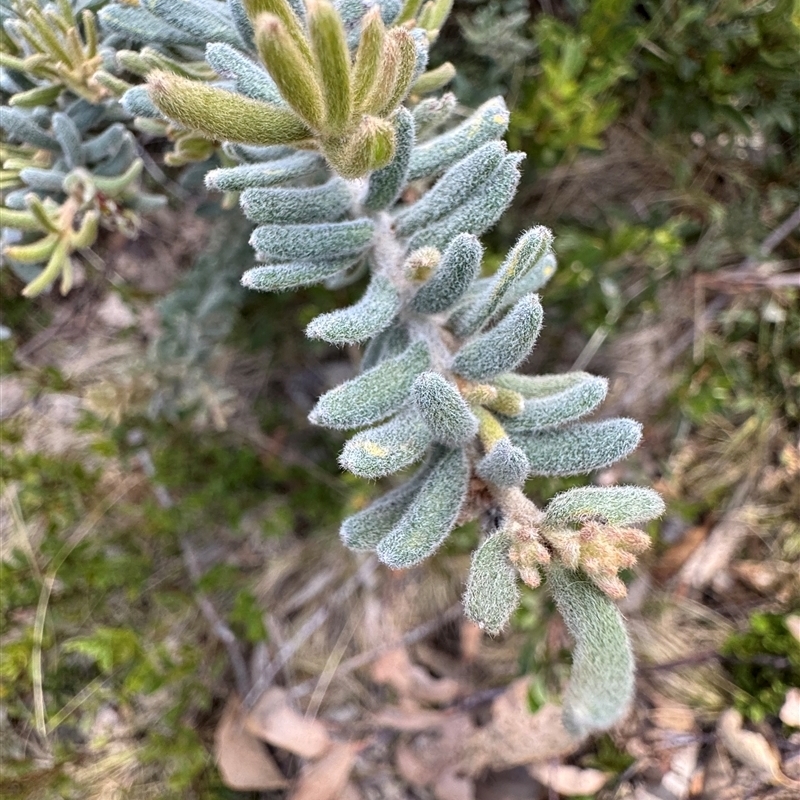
(437, 387)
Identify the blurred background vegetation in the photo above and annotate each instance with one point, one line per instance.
(157, 407)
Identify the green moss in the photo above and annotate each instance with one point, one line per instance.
(764, 663)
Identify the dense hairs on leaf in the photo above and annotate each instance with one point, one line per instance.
(492, 595)
(602, 679)
(613, 505)
(373, 313)
(387, 344)
(431, 515)
(390, 447)
(325, 203)
(364, 530)
(504, 465)
(269, 173)
(386, 184)
(323, 240)
(433, 157)
(373, 395)
(197, 19)
(579, 448)
(280, 277)
(561, 407)
(458, 267)
(252, 80)
(444, 410)
(503, 347)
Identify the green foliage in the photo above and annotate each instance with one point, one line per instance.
(764, 663)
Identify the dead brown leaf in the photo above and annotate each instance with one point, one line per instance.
(675, 557)
(749, 748)
(790, 711)
(409, 718)
(327, 778)
(471, 638)
(568, 780)
(451, 786)
(243, 761)
(409, 680)
(515, 736)
(275, 721)
(423, 760)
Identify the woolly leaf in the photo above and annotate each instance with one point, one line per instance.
(492, 595)
(252, 80)
(273, 173)
(434, 79)
(452, 189)
(478, 214)
(386, 184)
(136, 101)
(504, 346)
(280, 277)
(366, 70)
(241, 21)
(43, 180)
(373, 313)
(534, 280)
(332, 62)
(534, 386)
(325, 203)
(458, 267)
(398, 62)
(504, 465)
(134, 22)
(19, 125)
(614, 505)
(432, 112)
(69, 137)
(197, 19)
(444, 410)
(364, 530)
(556, 409)
(223, 115)
(326, 240)
(526, 253)
(580, 448)
(602, 680)
(373, 395)
(390, 447)
(431, 515)
(387, 344)
(487, 123)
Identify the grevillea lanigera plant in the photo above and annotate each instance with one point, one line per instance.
(349, 170)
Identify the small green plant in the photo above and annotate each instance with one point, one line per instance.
(321, 115)
(764, 662)
(437, 384)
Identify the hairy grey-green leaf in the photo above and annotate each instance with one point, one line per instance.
(43, 180)
(105, 144)
(322, 240)
(433, 157)
(388, 448)
(19, 126)
(444, 410)
(458, 267)
(69, 137)
(241, 21)
(432, 112)
(325, 203)
(504, 346)
(373, 313)
(255, 154)
(136, 101)
(492, 595)
(348, 276)
(364, 530)
(373, 395)
(504, 465)
(252, 80)
(579, 448)
(451, 190)
(535, 279)
(431, 515)
(205, 23)
(601, 684)
(526, 253)
(271, 173)
(387, 344)
(615, 505)
(478, 214)
(534, 386)
(422, 48)
(386, 184)
(140, 25)
(279, 277)
(556, 409)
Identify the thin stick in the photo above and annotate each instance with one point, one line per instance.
(310, 626)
